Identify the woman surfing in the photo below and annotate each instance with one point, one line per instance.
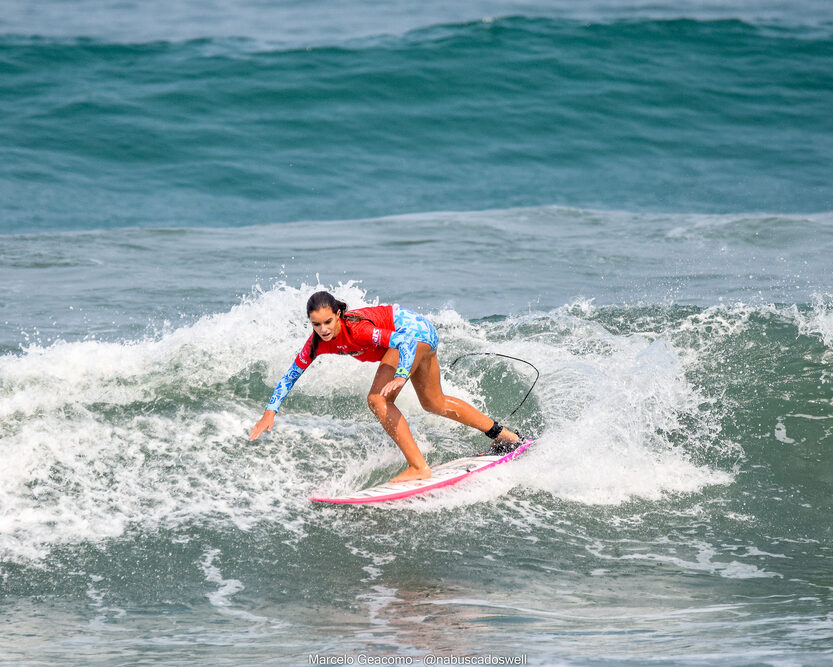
(405, 345)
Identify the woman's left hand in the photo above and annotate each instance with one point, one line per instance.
(393, 386)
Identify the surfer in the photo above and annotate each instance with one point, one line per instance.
(405, 345)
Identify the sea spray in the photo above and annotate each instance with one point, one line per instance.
(105, 438)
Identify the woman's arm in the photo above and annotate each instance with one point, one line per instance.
(287, 382)
(366, 334)
(266, 422)
(407, 346)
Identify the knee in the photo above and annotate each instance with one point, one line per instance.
(434, 406)
(377, 403)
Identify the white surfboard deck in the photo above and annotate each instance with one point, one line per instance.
(441, 476)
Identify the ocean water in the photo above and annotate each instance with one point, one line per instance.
(633, 196)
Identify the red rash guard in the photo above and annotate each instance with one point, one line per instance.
(366, 340)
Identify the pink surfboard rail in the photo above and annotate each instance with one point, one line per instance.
(441, 476)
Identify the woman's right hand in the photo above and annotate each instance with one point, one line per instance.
(265, 423)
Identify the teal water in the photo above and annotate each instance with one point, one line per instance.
(635, 197)
(674, 115)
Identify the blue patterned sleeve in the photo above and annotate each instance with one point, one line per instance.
(286, 383)
(407, 346)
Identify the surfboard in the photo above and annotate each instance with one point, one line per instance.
(443, 475)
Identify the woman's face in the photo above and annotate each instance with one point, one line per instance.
(325, 323)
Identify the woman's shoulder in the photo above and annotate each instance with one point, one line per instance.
(305, 356)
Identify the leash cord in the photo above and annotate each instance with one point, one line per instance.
(505, 356)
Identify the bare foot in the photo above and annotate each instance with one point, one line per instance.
(412, 473)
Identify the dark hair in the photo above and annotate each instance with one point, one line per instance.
(323, 300)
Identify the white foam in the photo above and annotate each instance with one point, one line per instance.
(780, 433)
(99, 437)
(703, 562)
(226, 588)
(89, 450)
(819, 321)
(614, 403)
(103, 613)
(623, 419)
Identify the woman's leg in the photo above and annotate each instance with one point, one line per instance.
(391, 418)
(426, 380)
